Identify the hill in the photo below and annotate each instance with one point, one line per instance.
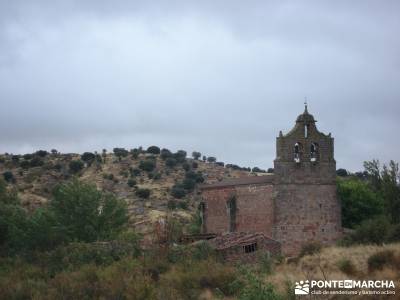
(169, 179)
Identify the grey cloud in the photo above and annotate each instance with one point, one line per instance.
(222, 77)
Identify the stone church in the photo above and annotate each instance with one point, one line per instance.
(294, 205)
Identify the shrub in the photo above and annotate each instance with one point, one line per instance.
(147, 165)
(186, 166)
(258, 170)
(143, 193)
(120, 152)
(153, 150)
(380, 259)
(24, 164)
(36, 162)
(346, 266)
(27, 156)
(342, 172)
(196, 155)
(171, 162)
(180, 156)
(41, 153)
(8, 176)
(15, 158)
(100, 215)
(310, 248)
(88, 157)
(135, 172)
(165, 153)
(178, 191)
(157, 176)
(172, 204)
(220, 163)
(359, 202)
(75, 166)
(211, 159)
(270, 170)
(195, 165)
(196, 176)
(373, 231)
(131, 182)
(182, 205)
(188, 184)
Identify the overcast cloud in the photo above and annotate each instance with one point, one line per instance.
(219, 77)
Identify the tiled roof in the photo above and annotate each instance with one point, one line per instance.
(240, 181)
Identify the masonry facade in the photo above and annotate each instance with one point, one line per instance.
(295, 205)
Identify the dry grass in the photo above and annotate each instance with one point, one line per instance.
(325, 265)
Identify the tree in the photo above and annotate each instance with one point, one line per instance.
(165, 153)
(84, 213)
(178, 191)
(147, 165)
(88, 157)
(390, 190)
(153, 150)
(41, 153)
(8, 176)
(342, 172)
(258, 170)
(359, 202)
(180, 156)
(143, 193)
(211, 159)
(170, 162)
(120, 152)
(75, 166)
(196, 155)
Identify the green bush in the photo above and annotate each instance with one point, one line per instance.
(178, 191)
(8, 176)
(41, 153)
(165, 153)
(380, 259)
(346, 266)
(196, 155)
(120, 152)
(310, 248)
(373, 231)
(100, 215)
(88, 157)
(147, 165)
(75, 166)
(170, 162)
(135, 172)
(172, 204)
(153, 150)
(143, 193)
(182, 205)
(131, 182)
(188, 184)
(359, 202)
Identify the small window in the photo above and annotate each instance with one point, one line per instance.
(305, 131)
(250, 248)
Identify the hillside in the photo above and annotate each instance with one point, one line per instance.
(36, 175)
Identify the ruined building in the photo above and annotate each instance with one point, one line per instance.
(295, 205)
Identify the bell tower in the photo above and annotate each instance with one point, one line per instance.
(306, 206)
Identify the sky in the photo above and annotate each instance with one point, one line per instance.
(219, 77)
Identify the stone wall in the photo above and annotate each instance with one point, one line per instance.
(305, 213)
(254, 209)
